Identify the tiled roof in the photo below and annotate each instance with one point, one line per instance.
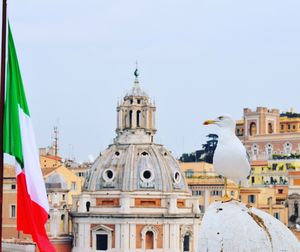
(52, 157)
(259, 163)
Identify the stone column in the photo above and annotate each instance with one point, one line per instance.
(206, 198)
(166, 241)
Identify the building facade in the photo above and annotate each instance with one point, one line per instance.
(208, 187)
(267, 132)
(135, 197)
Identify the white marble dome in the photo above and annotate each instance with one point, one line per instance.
(135, 167)
(232, 226)
(134, 162)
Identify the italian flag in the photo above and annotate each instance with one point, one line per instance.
(19, 141)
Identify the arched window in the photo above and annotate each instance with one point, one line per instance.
(149, 240)
(252, 130)
(270, 128)
(255, 150)
(269, 150)
(130, 119)
(287, 148)
(186, 243)
(138, 118)
(88, 205)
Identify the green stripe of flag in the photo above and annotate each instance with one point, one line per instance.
(15, 99)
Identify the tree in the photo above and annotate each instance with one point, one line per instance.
(205, 154)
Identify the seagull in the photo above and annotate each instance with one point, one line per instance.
(230, 158)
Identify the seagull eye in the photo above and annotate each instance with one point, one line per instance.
(220, 117)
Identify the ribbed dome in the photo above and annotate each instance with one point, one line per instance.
(136, 167)
(136, 90)
(232, 226)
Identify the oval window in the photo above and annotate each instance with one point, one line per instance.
(177, 177)
(147, 175)
(108, 175)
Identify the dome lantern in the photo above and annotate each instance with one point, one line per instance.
(135, 116)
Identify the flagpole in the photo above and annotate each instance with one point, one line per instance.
(2, 94)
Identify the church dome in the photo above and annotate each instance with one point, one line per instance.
(134, 162)
(134, 167)
(232, 226)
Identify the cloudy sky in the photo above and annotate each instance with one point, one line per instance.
(198, 59)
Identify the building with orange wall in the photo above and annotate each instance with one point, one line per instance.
(208, 187)
(17, 241)
(267, 132)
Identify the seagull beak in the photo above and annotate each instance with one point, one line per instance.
(207, 122)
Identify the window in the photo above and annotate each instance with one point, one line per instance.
(282, 126)
(252, 180)
(196, 193)
(177, 177)
(63, 197)
(101, 242)
(277, 216)
(216, 193)
(251, 198)
(289, 126)
(88, 205)
(138, 118)
(13, 211)
(138, 101)
(252, 130)
(186, 243)
(270, 128)
(13, 187)
(149, 240)
(130, 119)
(269, 150)
(73, 186)
(146, 176)
(280, 191)
(255, 150)
(287, 148)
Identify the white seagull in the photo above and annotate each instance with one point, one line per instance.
(230, 158)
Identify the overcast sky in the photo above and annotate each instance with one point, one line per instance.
(198, 59)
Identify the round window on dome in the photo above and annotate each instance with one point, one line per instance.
(108, 175)
(147, 175)
(177, 177)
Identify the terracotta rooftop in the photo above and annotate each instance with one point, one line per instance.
(52, 157)
(46, 171)
(259, 163)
